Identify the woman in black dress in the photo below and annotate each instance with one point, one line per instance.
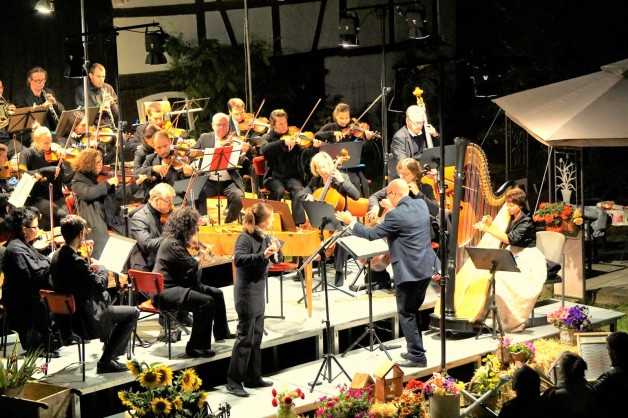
(254, 251)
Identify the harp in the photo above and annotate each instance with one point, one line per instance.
(466, 300)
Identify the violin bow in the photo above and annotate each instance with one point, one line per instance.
(189, 188)
(357, 120)
(259, 109)
(309, 116)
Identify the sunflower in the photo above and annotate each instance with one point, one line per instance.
(161, 406)
(125, 400)
(178, 403)
(150, 379)
(201, 401)
(166, 374)
(134, 367)
(189, 381)
(140, 412)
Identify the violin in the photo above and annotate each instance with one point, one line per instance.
(163, 218)
(303, 139)
(104, 135)
(86, 248)
(56, 153)
(259, 125)
(171, 131)
(45, 238)
(108, 173)
(177, 162)
(9, 171)
(359, 129)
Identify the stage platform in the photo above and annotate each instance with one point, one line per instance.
(297, 336)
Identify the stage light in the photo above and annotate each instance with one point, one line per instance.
(349, 28)
(45, 6)
(156, 46)
(416, 23)
(485, 80)
(74, 61)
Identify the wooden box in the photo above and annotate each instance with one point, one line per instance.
(388, 381)
(37, 400)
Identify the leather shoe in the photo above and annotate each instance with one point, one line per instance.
(339, 279)
(410, 363)
(260, 383)
(199, 352)
(237, 392)
(110, 366)
(230, 336)
(185, 318)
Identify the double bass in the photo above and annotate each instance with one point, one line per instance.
(467, 299)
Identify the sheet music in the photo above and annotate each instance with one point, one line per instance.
(208, 157)
(116, 252)
(363, 248)
(22, 190)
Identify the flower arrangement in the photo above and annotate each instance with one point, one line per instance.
(441, 384)
(14, 375)
(577, 317)
(285, 401)
(486, 376)
(350, 402)
(165, 395)
(552, 215)
(527, 348)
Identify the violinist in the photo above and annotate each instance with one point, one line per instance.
(87, 282)
(99, 94)
(37, 94)
(236, 119)
(6, 109)
(162, 164)
(143, 138)
(142, 151)
(324, 172)
(410, 141)
(99, 203)
(283, 160)
(340, 131)
(26, 271)
(5, 194)
(222, 182)
(42, 160)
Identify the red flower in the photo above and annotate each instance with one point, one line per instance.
(298, 391)
(274, 392)
(542, 205)
(287, 400)
(275, 403)
(302, 395)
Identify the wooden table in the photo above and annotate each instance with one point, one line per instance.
(296, 244)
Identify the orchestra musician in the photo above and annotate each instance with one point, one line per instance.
(34, 160)
(6, 109)
(183, 288)
(253, 253)
(407, 229)
(26, 271)
(99, 94)
(222, 182)
(516, 293)
(99, 202)
(410, 141)
(5, 194)
(71, 273)
(338, 131)
(324, 171)
(37, 94)
(142, 138)
(236, 117)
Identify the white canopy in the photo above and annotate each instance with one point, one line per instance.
(587, 111)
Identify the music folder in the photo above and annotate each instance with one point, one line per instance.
(224, 158)
(287, 222)
(116, 253)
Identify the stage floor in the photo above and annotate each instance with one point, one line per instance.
(346, 310)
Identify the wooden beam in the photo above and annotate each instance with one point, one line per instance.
(276, 19)
(227, 23)
(319, 25)
(201, 28)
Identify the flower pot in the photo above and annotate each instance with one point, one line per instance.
(15, 392)
(554, 228)
(446, 406)
(567, 336)
(518, 357)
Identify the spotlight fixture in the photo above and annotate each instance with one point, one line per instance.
(74, 61)
(156, 46)
(416, 22)
(45, 6)
(349, 28)
(485, 80)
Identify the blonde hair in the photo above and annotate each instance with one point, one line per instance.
(39, 134)
(255, 215)
(319, 159)
(161, 190)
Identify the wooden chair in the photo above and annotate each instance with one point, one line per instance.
(259, 163)
(149, 284)
(280, 268)
(62, 304)
(70, 202)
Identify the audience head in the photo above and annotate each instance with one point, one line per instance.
(182, 224)
(409, 170)
(161, 197)
(321, 162)
(24, 223)
(89, 161)
(526, 382)
(397, 190)
(278, 121)
(571, 368)
(72, 226)
(618, 348)
(260, 215)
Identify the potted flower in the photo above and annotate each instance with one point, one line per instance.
(348, 403)
(15, 374)
(164, 394)
(407, 405)
(444, 394)
(555, 216)
(522, 352)
(284, 400)
(569, 320)
(485, 379)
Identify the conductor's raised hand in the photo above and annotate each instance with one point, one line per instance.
(344, 217)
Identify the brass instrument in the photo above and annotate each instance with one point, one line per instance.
(5, 112)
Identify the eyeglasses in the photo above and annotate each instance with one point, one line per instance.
(167, 202)
(32, 227)
(38, 81)
(390, 193)
(415, 123)
(400, 174)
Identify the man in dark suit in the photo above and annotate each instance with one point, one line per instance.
(222, 182)
(137, 147)
(412, 139)
(94, 317)
(407, 228)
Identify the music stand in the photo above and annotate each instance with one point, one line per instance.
(282, 208)
(328, 356)
(431, 156)
(353, 148)
(181, 186)
(217, 159)
(23, 118)
(67, 118)
(363, 248)
(492, 259)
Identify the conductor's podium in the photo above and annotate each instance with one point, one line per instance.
(296, 244)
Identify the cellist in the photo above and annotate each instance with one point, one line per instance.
(325, 173)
